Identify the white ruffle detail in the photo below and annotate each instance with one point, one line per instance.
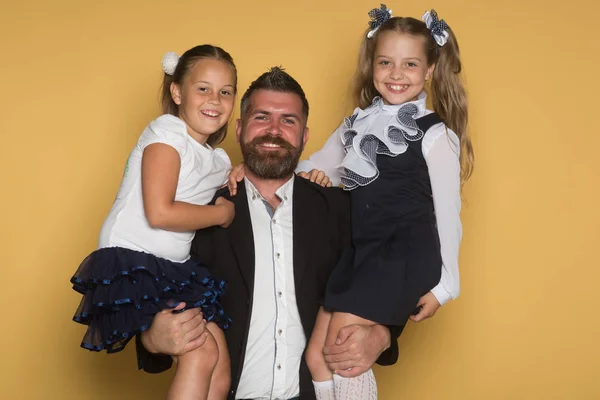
(374, 131)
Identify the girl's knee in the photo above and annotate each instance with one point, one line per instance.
(204, 357)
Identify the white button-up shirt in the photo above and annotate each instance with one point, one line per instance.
(276, 338)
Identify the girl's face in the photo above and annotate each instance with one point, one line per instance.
(205, 98)
(400, 67)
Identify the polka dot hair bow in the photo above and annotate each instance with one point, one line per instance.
(438, 28)
(378, 18)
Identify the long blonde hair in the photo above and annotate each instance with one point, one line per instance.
(448, 93)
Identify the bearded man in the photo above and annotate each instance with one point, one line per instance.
(276, 256)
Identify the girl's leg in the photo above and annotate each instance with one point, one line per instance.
(362, 387)
(221, 377)
(321, 375)
(194, 371)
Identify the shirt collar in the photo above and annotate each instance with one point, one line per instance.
(284, 192)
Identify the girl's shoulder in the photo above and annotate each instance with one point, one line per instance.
(167, 129)
(439, 131)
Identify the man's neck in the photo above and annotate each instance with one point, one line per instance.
(267, 187)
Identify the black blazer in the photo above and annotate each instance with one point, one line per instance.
(321, 220)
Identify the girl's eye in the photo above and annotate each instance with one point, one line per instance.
(225, 92)
(203, 89)
(411, 65)
(384, 62)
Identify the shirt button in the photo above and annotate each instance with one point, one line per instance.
(280, 331)
(278, 255)
(285, 197)
(279, 294)
(278, 366)
(274, 221)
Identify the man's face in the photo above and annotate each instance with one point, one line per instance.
(272, 134)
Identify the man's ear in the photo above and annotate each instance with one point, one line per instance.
(175, 93)
(305, 136)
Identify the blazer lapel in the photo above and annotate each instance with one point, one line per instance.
(304, 222)
(241, 237)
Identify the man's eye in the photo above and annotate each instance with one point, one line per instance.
(203, 89)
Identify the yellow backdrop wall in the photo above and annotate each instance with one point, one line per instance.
(80, 82)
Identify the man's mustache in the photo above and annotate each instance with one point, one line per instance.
(270, 139)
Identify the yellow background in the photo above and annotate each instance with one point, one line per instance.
(80, 81)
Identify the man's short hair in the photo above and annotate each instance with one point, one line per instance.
(277, 80)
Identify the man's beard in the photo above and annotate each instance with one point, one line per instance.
(271, 164)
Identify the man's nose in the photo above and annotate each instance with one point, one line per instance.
(274, 127)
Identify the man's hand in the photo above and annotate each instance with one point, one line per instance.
(175, 334)
(356, 349)
(428, 306)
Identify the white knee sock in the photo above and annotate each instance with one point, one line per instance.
(324, 390)
(363, 387)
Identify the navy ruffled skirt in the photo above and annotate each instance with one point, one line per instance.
(123, 289)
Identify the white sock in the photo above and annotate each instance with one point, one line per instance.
(362, 387)
(324, 390)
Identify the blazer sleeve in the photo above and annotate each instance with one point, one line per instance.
(390, 356)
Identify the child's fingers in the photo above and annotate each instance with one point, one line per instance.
(236, 175)
(425, 312)
(232, 185)
(319, 178)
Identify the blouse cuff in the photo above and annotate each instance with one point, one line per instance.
(441, 294)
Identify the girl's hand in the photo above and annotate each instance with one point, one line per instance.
(429, 305)
(317, 177)
(236, 175)
(228, 210)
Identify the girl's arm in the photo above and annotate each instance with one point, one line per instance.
(160, 174)
(444, 172)
(327, 159)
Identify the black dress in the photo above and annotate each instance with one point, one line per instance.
(395, 255)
